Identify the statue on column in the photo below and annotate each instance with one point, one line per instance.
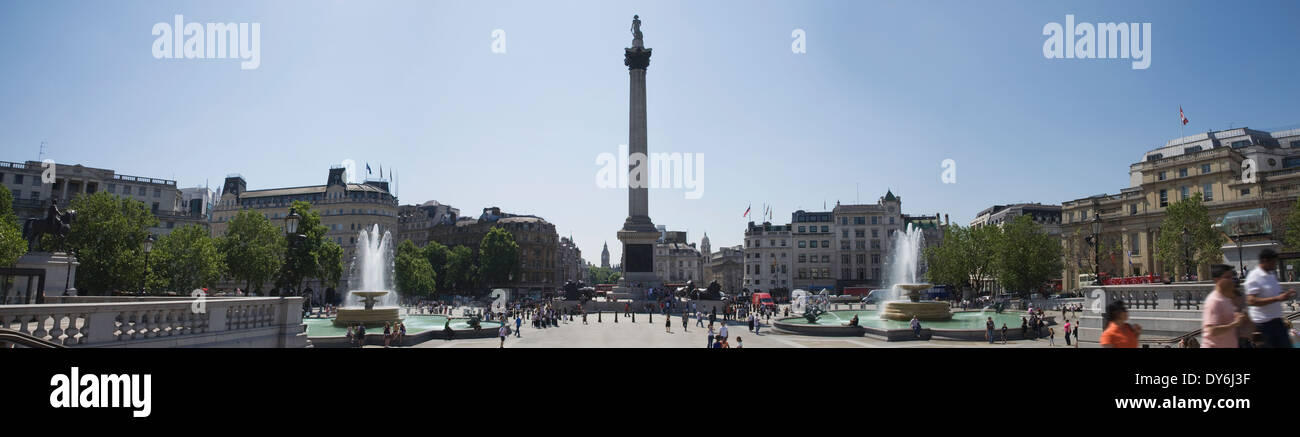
(55, 222)
(636, 32)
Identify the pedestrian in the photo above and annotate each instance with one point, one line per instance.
(1067, 333)
(1221, 318)
(916, 326)
(1119, 333)
(1004, 333)
(1264, 297)
(502, 332)
(668, 325)
(686, 317)
(739, 344)
(710, 342)
(519, 323)
(1051, 337)
(988, 330)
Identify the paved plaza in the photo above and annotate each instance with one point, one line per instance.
(608, 334)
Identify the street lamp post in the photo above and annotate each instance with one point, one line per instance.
(291, 232)
(148, 247)
(1096, 249)
(1187, 255)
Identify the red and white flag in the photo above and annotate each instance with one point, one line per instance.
(1181, 116)
(746, 214)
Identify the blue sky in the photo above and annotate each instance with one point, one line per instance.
(885, 93)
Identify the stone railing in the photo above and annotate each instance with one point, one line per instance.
(100, 321)
(1165, 311)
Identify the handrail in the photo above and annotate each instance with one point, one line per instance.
(27, 340)
(1197, 333)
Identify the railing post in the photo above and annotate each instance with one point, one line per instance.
(100, 327)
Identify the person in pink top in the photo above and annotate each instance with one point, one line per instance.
(1220, 318)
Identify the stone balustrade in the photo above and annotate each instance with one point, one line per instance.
(1165, 311)
(113, 321)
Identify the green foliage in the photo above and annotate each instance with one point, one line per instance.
(498, 257)
(1026, 255)
(966, 255)
(12, 244)
(253, 249)
(601, 275)
(1205, 243)
(437, 255)
(613, 277)
(303, 257)
(461, 272)
(107, 239)
(331, 263)
(414, 275)
(184, 260)
(1292, 225)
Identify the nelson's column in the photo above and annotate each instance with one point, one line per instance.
(638, 234)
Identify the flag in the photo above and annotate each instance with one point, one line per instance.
(746, 214)
(367, 168)
(1181, 116)
(381, 171)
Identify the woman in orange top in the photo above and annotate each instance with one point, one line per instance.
(1120, 334)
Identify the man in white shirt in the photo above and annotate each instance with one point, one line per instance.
(1264, 298)
(722, 332)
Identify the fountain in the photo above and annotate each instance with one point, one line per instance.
(372, 269)
(906, 263)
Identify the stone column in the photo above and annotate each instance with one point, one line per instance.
(638, 234)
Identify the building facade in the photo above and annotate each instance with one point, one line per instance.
(1232, 170)
(345, 209)
(769, 258)
(571, 265)
(415, 221)
(537, 240)
(32, 197)
(727, 268)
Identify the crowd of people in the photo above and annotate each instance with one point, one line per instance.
(1235, 315)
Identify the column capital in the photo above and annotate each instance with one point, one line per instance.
(636, 58)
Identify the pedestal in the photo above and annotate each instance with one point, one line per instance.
(60, 271)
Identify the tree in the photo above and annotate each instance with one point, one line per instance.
(415, 276)
(498, 257)
(1204, 243)
(601, 275)
(613, 277)
(965, 258)
(108, 239)
(303, 255)
(1026, 255)
(12, 244)
(437, 254)
(253, 249)
(461, 273)
(1292, 225)
(185, 259)
(331, 263)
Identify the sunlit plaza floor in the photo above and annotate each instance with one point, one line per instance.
(647, 334)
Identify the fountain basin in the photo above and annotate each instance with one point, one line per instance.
(372, 318)
(963, 325)
(925, 311)
(419, 328)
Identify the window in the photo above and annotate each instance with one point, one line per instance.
(863, 220)
(1164, 198)
(18, 179)
(140, 191)
(812, 244)
(1184, 191)
(844, 220)
(1240, 144)
(860, 245)
(844, 233)
(1132, 209)
(112, 188)
(844, 245)
(875, 220)
(1191, 150)
(1293, 161)
(803, 244)
(1155, 157)
(891, 220)
(1207, 191)
(875, 233)
(875, 258)
(1182, 172)
(803, 258)
(861, 259)
(157, 192)
(1295, 144)
(801, 229)
(826, 229)
(1245, 191)
(1160, 176)
(1205, 168)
